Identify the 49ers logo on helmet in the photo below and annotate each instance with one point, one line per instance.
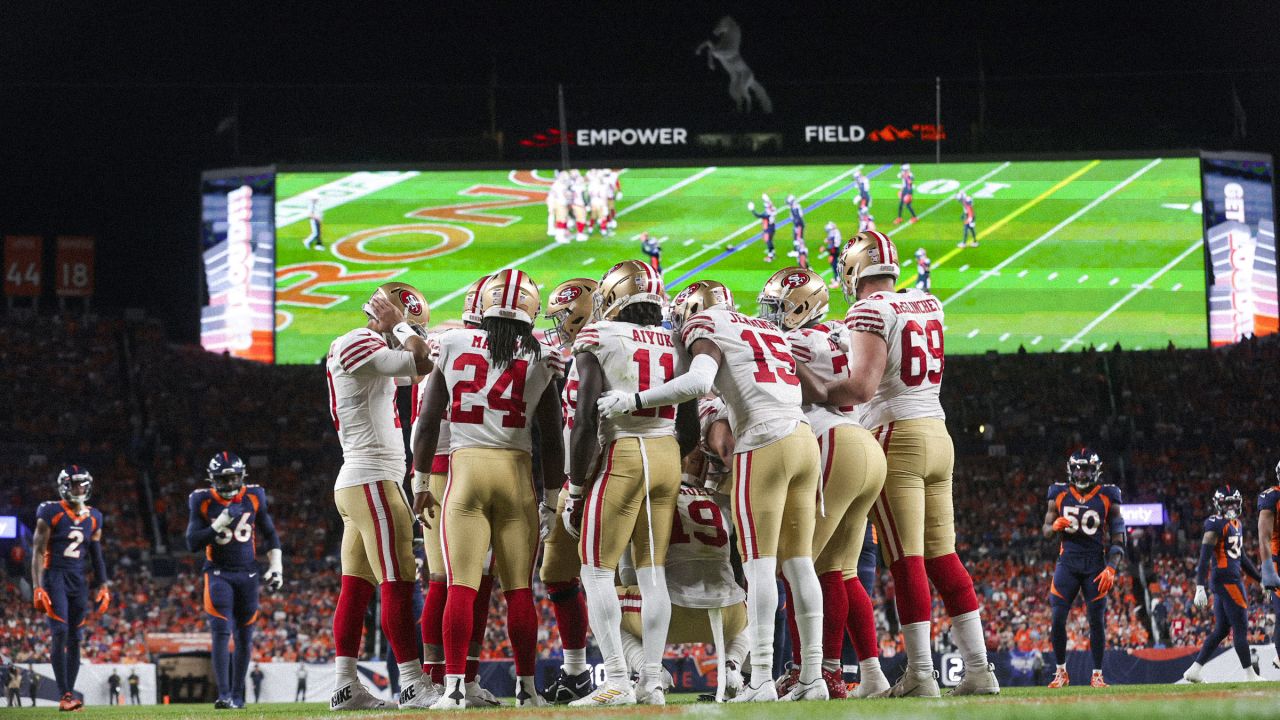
(568, 294)
(795, 280)
(685, 293)
(411, 302)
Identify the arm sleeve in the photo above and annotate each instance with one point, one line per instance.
(99, 563)
(690, 386)
(386, 363)
(1206, 560)
(199, 533)
(1117, 517)
(1246, 564)
(266, 525)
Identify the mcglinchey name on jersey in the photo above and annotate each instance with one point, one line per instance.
(916, 307)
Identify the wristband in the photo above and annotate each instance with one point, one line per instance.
(403, 332)
(421, 482)
(576, 491)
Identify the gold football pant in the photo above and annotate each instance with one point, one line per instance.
(560, 561)
(853, 471)
(615, 513)
(774, 497)
(688, 625)
(914, 514)
(377, 532)
(433, 551)
(489, 499)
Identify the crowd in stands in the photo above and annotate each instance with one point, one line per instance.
(146, 415)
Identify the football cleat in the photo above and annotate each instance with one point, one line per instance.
(524, 698)
(764, 692)
(421, 693)
(913, 684)
(978, 682)
(222, 704)
(1097, 681)
(477, 696)
(814, 690)
(354, 696)
(627, 283)
(1061, 679)
(571, 305)
(869, 253)
(69, 703)
(793, 297)
(454, 696)
(788, 679)
(836, 687)
(510, 294)
(655, 695)
(608, 694)
(871, 686)
(733, 679)
(568, 688)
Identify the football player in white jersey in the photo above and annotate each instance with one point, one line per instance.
(853, 470)
(377, 534)
(578, 203)
(630, 463)
(599, 193)
(613, 181)
(495, 383)
(570, 307)
(896, 359)
(558, 206)
(776, 465)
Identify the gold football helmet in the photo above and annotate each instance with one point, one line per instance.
(628, 282)
(697, 297)
(571, 306)
(471, 301)
(510, 294)
(409, 301)
(867, 254)
(793, 297)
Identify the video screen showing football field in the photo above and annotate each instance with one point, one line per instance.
(1069, 253)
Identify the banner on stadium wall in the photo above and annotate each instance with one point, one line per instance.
(73, 266)
(23, 263)
(238, 242)
(1142, 514)
(1240, 243)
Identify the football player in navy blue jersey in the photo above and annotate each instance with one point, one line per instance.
(1085, 515)
(225, 521)
(1269, 549)
(68, 532)
(1222, 553)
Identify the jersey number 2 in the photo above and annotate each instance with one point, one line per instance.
(73, 548)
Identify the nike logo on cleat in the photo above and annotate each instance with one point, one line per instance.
(340, 697)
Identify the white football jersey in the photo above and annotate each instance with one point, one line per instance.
(491, 407)
(699, 571)
(599, 192)
(826, 359)
(633, 359)
(558, 194)
(577, 192)
(757, 377)
(362, 403)
(911, 324)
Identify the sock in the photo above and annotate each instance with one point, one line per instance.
(58, 656)
(808, 603)
(473, 668)
(738, 648)
(240, 661)
(835, 614)
(966, 633)
(432, 623)
(1058, 632)
(405, 673)
(916, 637)
(633, 652)
(954, 585)
(348, 617)
(869, 670)
(455, 688)
(793, 632)
(762, 605)
(397, 623)
(862, 620)
(73, 654)
(220, 656)
(522, 628)
(655, 618)
(570, 607)
(344, 671)
(456, 633)
(911, 590)
(605, 613)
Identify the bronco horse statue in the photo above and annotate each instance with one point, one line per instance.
(743, 87)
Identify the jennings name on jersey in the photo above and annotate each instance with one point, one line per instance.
(632, 359)
(757, 376)
(911, 324)
(234, 547)
(490, 407)
(68, 532)
(827, 360)
(361, 372)
(1091, 513)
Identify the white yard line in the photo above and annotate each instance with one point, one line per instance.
(338, 192)
(1053, 231)
(949, 198)
(1130, 295)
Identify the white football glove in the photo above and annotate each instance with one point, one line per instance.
(1201, 599)
(614, 403)
(751, 207)
(572, 514)
(1270, 578)
(223, 521)
(546, 520)
(274, 578)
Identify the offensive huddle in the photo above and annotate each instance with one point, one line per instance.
(680, 429)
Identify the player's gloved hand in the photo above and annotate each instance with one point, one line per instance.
(103, 598)
(1201, 599)
(1106, 579)
(572, 515)
(224, 519)
(546, 520)
(40, 599)
(274, 577)
(615, 402)
(1062, 523)
(1270, 578)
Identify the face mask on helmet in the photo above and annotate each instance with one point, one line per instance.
(1084, 469)
(1228, 504)
(74, 484)
(226, 474)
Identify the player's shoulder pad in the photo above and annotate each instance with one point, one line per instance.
(699, 325)
(1212, 523)
(805, 343)
(199, 495)
(869, 315)
(1269, 498)
(1112, 492)
(588, 339)
(1056, 489)
(48, 509)
(356, 347)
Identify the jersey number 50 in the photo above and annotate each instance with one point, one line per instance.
(1083, 519)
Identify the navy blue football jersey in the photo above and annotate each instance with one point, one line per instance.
(69, 533)
(1226, 554)
(234, 547)
(1092, 513)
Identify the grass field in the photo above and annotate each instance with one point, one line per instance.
(1121, 702)
(1072, 253)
